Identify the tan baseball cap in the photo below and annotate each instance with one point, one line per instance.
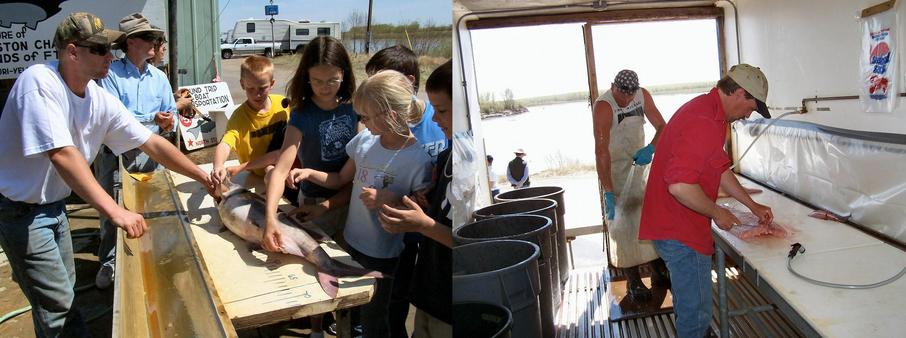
(137, 23)
(753, 81)
(81, 26)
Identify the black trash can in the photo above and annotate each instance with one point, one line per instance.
(481, 320)
(556, 194)
(532, 228)
(502, 272)
(536, 206)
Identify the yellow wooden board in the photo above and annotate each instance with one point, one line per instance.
(259, 287)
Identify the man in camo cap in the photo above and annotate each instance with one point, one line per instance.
(51, 127)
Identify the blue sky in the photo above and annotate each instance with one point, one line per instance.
(384, 11)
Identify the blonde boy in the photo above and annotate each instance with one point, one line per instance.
(255, 131)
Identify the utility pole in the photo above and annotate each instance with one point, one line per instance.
(272, 10)
(368, 29)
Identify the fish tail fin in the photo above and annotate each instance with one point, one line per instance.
(345, 270)
(329, 284)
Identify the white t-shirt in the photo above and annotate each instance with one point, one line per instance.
(41, 114)
(407, 171)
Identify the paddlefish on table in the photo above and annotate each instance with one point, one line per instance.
(243, 213)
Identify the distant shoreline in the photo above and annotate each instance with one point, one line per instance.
(487, 107)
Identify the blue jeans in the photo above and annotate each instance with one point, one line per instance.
(690, 274)
(37, 242)
(106, 171)
(375, 315)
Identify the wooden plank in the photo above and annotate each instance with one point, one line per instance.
(881, 7)
(258, 287)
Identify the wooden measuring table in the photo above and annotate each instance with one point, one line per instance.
(259, 287)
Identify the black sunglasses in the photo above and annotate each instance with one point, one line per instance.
(96, 49)
(151, 37)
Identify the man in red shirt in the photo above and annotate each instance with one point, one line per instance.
(689, 167)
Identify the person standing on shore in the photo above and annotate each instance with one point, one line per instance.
(517, 171)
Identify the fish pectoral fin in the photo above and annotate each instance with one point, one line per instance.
(329, 284)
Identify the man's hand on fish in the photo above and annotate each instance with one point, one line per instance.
(273, 238)
(132, 223)
(409, 218)
(764, 213)
(725, 219)
(297, 175)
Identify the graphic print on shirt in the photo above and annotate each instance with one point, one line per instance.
(638, 111)
(268, 130)
(334, 135)
(374, 178)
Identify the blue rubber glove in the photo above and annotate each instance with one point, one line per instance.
(643, 156)
(610, 204)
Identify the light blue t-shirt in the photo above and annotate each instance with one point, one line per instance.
(400, 171)
(429, 135)
(144, 94)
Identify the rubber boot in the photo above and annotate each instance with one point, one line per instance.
(637, 290)
(660, 276)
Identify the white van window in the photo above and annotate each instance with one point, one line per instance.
(250, 27)
(323, 30)
(302, 31)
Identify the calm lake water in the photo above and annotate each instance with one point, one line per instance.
(555, 134)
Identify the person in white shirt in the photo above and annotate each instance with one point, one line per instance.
(52, 125)
(492, 178)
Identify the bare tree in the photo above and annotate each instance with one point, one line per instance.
(355, 19)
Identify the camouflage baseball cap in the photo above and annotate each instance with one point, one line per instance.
(81, 26)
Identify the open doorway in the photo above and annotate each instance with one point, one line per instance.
(536, 85)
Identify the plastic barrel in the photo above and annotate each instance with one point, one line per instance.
(535, 206)
(556, 194)
(531, 228)
(481, 320)
(502, 272)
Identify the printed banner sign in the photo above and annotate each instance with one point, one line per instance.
(878, 83)
(214, 102)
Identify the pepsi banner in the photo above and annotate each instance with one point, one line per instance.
(878, 63)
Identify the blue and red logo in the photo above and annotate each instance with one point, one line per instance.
(879, 58)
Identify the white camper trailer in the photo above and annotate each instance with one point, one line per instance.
(288, 35)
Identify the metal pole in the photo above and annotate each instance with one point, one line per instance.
(368, 29)
(273, 38)
(722, 293)
(173, 68)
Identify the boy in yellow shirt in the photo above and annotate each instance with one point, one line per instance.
(255, 130)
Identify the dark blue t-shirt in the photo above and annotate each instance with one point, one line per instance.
(324, 138)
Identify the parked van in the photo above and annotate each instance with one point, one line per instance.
(288, 35)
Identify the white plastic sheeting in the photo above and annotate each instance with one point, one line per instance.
(465, 181)
(849, 173)
(626, 249)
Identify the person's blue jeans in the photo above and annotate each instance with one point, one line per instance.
(38, 244)
(690, 275)
(106, 171)
(375, 315)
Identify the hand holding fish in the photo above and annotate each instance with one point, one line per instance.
(273, 238)
(764, 213)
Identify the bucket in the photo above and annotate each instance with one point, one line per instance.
(556, 194)
(501, 272)
(481, 320)
(541, 207)
(531, 228)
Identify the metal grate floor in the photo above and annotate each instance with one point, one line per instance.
(584, 311)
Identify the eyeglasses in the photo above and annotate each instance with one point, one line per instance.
(96, 49)
(328, 83)
(156, 39)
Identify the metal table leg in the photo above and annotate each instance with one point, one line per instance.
(722, 293)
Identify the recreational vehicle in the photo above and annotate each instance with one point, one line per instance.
(288, 35)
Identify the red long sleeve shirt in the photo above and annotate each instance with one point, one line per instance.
(690, 150)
